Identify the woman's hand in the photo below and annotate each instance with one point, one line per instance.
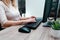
(33, 17)
(27, 18)
(31, 20)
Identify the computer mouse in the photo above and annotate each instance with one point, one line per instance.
(24, 30)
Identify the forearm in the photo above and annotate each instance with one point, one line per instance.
(13, 23)
(24, 18)
(27, 18)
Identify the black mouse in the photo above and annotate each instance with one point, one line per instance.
(24, 30)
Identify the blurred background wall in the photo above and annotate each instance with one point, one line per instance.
(22, 7)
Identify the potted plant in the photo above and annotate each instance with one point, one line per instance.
(55, 29)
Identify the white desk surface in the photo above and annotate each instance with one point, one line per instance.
(11, 33)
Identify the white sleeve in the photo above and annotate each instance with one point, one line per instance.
(3, 18)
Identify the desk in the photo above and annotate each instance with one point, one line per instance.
(11, 33)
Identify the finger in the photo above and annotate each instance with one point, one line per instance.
(33, 17)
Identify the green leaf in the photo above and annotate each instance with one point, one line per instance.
(56, 25)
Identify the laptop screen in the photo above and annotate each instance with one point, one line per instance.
(35, 8)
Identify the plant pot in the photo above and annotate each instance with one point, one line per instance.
(55, 33)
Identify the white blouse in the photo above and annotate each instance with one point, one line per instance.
(8, 13)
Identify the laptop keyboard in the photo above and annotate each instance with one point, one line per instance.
(34, 25)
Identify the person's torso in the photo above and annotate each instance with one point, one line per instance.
(11, 12)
